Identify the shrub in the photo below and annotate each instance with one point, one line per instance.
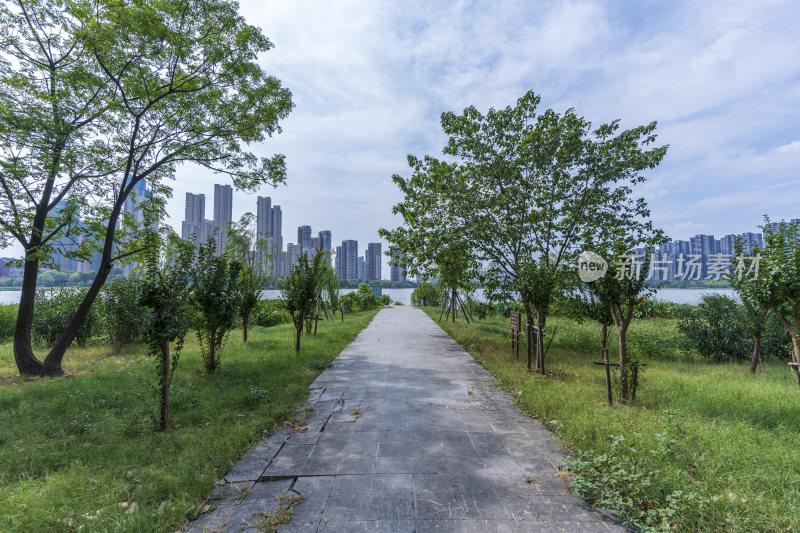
(124, 317)
(386, 299)
(215, 297)
(434, 295)
(716, 328)
(8, 320)
(270, 313)
(53, 309)
(398, 302)
(623, 479)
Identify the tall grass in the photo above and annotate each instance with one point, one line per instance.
(738, 435)
(81, 452)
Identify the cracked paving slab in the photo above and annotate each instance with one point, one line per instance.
(404, 432)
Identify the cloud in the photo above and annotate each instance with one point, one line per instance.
(371, 78)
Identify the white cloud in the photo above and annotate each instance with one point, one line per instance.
(370, 80)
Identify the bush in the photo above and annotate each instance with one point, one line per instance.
(362, 299)
(623, 479)
(124, 317)
(433, 294)
(716, 328)
(53, 309)
(270, 313)
(398, 302)
(8, 320)
(386, 299)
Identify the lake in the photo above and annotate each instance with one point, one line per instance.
(683, 296)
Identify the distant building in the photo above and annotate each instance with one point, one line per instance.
(223, 214)
(347, 258)
(373, 259)
(304, 238)
(193, 227)
(397, 272)
(268, 227)
(315, 243)
(362, 269)
(324, 237)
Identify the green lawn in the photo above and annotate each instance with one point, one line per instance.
(738, 435)
(81, 452)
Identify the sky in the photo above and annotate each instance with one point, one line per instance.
(370, 80)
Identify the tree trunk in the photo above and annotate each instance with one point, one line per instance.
(622, 332)
(297, 339)
(757, 340)
(244, 327)
(608, 367)
(212, 351)
(796, 355)
(52, 363)
(165, 384)
(529, 321)
(27, 363)
(540, 321)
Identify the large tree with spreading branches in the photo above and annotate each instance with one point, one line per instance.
(97, 96)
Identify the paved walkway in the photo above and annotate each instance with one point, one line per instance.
(407, 433)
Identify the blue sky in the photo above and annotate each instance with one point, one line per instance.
(371, 78)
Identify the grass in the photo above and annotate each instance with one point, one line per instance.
(81, 452)
(738, 435)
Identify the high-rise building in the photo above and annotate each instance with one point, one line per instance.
(373, 261)
(223, 214)
(304, 238)
(397, 272)
(361, 270)
(315, 243)
(348, 259)
(324, 237)
(193, 227)
(268, 227)
(338, 263)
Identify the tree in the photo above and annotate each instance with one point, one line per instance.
(301, 289)
(779, 276)
(332, 285)
(165, 293)
(526, 190)
(215, 297)
(585, 305)
(624, 287)
(100, 95)
(253, 252)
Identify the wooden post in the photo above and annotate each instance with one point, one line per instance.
(608, 369)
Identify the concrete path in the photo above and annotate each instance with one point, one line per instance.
(405, 432)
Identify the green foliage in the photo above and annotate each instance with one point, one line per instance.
(386, 299)
(8, 321)
(124, 317)
(432, 293)
(719, 328)
(215, 299)
(362, 299)
(332, 287)
(623, 479)
(302, 289)
(716, 329)
(54, 309)
(253, 252)
(91, 107)
(269, 313)
(164, 294)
